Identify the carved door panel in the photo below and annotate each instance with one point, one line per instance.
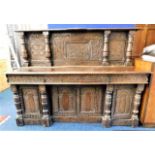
(36, 49)
(90, 100)
(77, 48)
(122, 101)
(31, 100)
(64, 100)
(117, 47)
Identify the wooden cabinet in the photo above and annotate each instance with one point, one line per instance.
(78, 76)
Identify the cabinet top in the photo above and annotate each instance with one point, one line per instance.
(79, 29)
(78, 70)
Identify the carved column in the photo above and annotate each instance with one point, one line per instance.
(46, 121)
(47, 47)
(18, 104)
(106, 120)
(128, 61)
(106, 48)
(24, 53)
(137, 99)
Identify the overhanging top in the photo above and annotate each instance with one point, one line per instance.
(79, 29)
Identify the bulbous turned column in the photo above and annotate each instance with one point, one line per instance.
(105, 60)
(47, 47)
(106, 119)
(136, 104)
(128, 61)
(46, 120)
(24, 52)
(18, 105)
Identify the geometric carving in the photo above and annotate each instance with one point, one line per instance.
(77, 48)
(31, 100)
(123, 101)
(39, 49)
(90, 100)
(64, 99)
(117, 47)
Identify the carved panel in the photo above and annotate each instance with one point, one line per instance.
(31, 100)
(39, 56)
(77, 48)
(117, 47)
(123, 101)
(90, 100)
(64, 100)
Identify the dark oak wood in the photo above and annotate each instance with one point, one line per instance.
(78, 76)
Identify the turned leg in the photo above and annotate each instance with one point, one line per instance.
(46, 120)
(18, 104)
(137, 99)
(106, 119)
(106, 48)
(128, 61)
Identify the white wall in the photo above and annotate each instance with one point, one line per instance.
(4, 48)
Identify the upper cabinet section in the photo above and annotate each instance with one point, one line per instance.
(104, 47)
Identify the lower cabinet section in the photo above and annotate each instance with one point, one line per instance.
(109, 104)
(77, 103)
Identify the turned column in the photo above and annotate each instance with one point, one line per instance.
(106, 48)
(106, 119)
(18, 104)
(136, 104)
(46, 120)
(47, 47)
(128, 61)
(24, 53)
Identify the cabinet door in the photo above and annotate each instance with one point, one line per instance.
(64, 100)
(123, 101)
(90, 100)
(31, 99)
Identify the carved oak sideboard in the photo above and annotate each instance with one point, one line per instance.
(78, 76)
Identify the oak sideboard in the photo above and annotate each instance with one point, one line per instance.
(78, 75)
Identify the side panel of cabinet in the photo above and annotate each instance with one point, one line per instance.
(123, 102)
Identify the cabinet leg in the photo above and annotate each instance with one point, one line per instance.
(106, 119)
(46, 119)
(137, 99)
(18, 104)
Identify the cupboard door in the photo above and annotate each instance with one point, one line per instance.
(31, 99)
(123, 101)
(64, 100)
(90, 100)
